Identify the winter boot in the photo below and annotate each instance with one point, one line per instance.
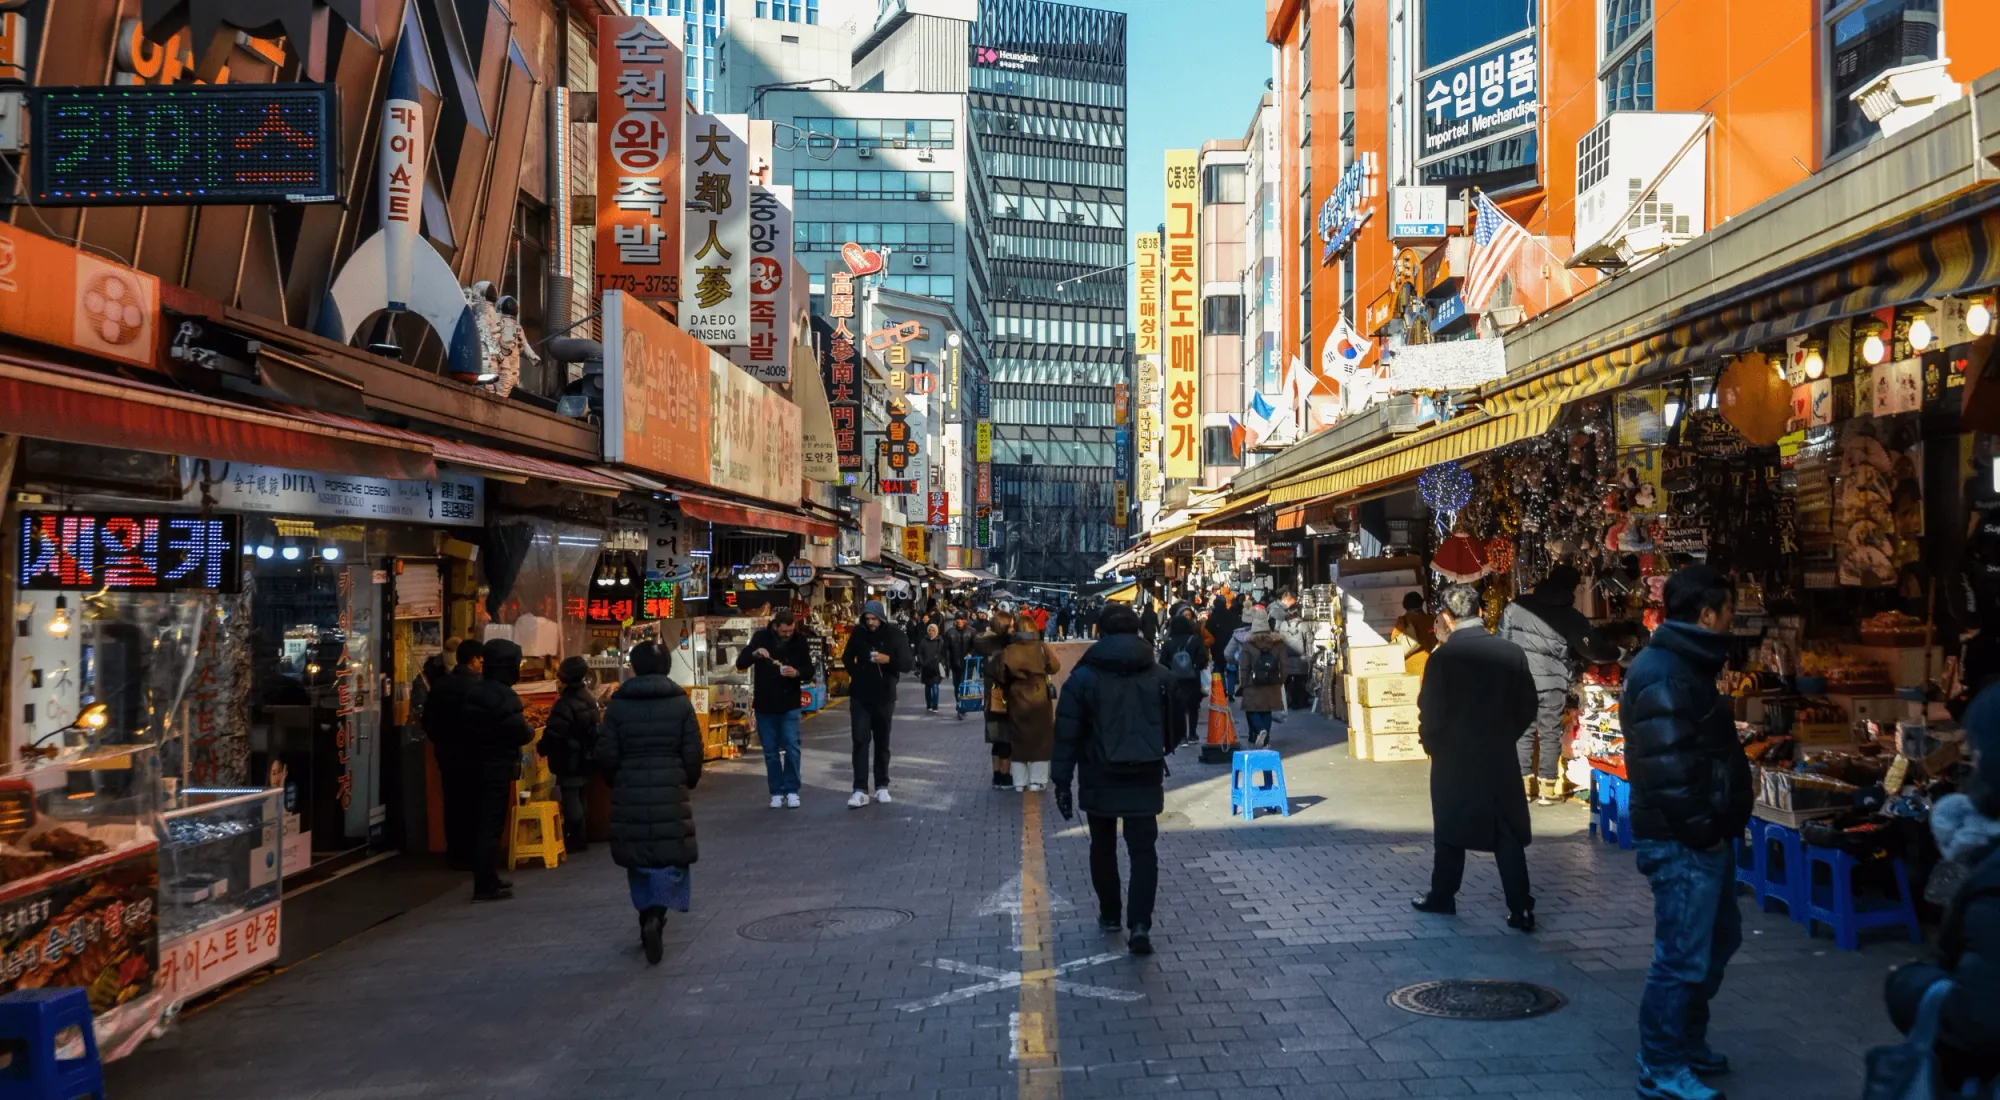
(652, 924)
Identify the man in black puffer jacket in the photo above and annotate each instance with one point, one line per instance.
(1691, 799)
(1112, 734)
(780, 657)
(877, 653)
(495, 731)
(445, 724)
(651, 742)
(568, 739)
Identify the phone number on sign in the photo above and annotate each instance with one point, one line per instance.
(662, 286)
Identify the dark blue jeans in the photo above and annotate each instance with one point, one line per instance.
(1259, 721)
(1696, 928)
(780, 735)
(1229, 681)
(931, 695)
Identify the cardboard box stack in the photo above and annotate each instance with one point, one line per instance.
(1378, 699)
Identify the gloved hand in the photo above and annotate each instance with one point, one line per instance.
(1063, 805)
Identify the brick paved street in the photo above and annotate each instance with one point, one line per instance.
(1278, 943)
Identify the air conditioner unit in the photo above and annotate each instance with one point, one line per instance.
(920, 261)
(1617, 161)
(1073, 219)
(865, 153)
(926, 156)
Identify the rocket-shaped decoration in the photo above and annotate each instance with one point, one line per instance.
(400, 174)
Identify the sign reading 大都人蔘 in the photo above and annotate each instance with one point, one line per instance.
(1481, 97)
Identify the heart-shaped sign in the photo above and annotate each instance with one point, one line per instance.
(860, 260)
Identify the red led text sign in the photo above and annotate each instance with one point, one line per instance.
(130, 552)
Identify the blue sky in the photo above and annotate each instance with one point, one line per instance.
(1196, 71)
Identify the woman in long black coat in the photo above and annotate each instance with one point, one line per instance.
(651, 743)
(1478, 696)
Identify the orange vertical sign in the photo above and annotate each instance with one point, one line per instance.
(641, 108)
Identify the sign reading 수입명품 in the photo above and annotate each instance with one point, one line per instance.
(1479, 98)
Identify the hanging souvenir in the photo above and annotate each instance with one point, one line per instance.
(1445, 488)
(1499, 555)
(1754, 397)
(1459, 560)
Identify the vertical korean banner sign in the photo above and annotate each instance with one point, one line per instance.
(715, 305)
(1145, 414)
(843, 378)
(400, 177)
(1181, 307)
(639, 114)
(1146, 333)
(767, 352)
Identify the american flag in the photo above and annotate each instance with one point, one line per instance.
(1495, 241)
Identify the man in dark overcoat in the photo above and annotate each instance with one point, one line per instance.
(1478, 695)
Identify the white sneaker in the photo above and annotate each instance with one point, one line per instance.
(882, 795)
(857, 800)
(1035, 787)
(777, 802)
(792, 801)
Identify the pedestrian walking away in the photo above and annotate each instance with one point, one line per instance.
(987, 647)
(444, 722)
(931, 667)
(1260, 657)
(1476, 695)
(569, 739)
(1024, 672)
(650, 742)
(1558, 641)
(496, 731)
(1967, 828)
(1691, 799)
(877, 654)
(779, 656)
(958, 636)
(1186, 660)
(1112, 737)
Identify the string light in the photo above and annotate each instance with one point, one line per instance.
(1815, 364)
(59, 622)
(1920, 334)
(1873, 350)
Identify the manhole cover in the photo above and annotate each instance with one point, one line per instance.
(1477, 999)
(812, 925)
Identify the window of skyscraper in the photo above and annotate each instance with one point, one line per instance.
(1222, 314)
(1453, 28)
(1221, 183)
(1864, 37)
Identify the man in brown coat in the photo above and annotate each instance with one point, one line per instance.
(1025, 667)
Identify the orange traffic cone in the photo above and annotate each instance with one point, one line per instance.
(1221, 744)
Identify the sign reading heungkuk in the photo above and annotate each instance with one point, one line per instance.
(639, 115)
(1182, 310)
(715, 299)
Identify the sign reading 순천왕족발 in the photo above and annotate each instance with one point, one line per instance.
(130, 552)
(1481, 97)
(639, 121)
(140, 145)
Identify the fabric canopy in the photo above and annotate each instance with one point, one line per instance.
(485, 459)
(1462, 437)
(1236, 506)
(49, 401)
(716, 510)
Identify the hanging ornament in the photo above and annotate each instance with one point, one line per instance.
(1499, 555)
(1459, 560)
(1754, 397)
(1445, 488)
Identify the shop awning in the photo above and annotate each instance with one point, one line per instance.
(717, 510)
(486, 460)
(913, 570)
(1236, 506)
(48, 401)
(1465, 436)
(1124, 593)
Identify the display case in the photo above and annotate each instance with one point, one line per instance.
(79, 879)
(221, 876)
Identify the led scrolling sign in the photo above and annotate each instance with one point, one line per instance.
(130, 552)
(136, 145)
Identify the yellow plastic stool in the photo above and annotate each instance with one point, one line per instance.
(547, 844)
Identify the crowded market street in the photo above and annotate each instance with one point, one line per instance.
(1278, 943)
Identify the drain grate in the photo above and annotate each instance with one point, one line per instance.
(1477, 999)
(813, 925)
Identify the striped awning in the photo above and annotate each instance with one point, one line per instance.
(1464, 436)
(1235, 507)
(1947, 250)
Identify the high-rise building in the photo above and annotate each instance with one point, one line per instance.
(1223, 181)
(1045, 101)
(706, 22)
(1262, 250)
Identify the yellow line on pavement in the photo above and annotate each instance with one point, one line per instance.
(1040, 1075)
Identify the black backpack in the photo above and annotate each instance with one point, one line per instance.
(1268, 670)
(1181, 663)
(1122, 732)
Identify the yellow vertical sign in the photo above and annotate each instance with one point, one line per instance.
(982, 442)
(1180, 308)
(1146, 333)
(913, 544)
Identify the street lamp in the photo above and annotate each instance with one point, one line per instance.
(1088, 274)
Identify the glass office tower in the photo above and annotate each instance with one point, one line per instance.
(706, 20)
(1046, 113)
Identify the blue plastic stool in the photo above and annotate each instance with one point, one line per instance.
(1246, 796)
(30, 1021)
(1611, 809)
(1789, 883)
(1834, 905)
(1750, 859)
